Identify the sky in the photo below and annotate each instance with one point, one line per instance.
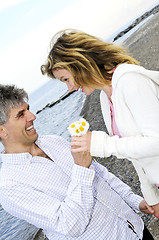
(27, 26)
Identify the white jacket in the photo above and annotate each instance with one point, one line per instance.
(135, 99)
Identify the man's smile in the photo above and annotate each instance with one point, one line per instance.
(30, 128)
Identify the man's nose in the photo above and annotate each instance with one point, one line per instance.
(30, 116)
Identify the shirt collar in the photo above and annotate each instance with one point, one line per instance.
(18, 158)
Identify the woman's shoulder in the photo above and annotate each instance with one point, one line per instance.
(131, 71)
(126, 68)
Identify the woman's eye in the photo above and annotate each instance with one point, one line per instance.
(66, 80)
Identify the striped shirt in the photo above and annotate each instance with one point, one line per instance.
(66, 200)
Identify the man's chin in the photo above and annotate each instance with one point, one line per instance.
(32, 138)
(36, 137)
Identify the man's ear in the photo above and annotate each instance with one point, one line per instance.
(3, 132)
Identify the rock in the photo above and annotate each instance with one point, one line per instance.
(137, 21)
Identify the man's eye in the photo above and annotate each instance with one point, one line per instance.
(21, 115)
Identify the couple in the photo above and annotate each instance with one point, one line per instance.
(67, 195)
(129, 102)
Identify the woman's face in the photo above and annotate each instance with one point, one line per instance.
(65, 76)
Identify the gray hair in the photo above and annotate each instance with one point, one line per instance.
(10, 97)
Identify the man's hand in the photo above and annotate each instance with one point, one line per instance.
(83, 159)
(144, 207)
(82, 143)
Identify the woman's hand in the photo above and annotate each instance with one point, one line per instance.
(82, 143)
(156, 210)
(144, 207)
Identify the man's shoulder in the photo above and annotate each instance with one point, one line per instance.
(57, 147)
(49, 137)
(53, 141)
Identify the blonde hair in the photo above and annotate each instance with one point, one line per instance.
(89, 59)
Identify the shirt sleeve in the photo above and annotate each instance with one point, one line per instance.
(69, 217)
(122, 189)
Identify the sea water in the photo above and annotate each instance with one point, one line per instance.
(54, 120)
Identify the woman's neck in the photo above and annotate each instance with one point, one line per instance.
(108, 91)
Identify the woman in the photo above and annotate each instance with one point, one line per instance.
(129, 101)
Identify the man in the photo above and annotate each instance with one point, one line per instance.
(68, 197)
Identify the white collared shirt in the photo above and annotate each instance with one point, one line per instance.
(66, 200)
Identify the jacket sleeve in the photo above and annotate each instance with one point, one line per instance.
(68, 216)
(149, 191)
(99, 149)
(143, 106)
(140, 97)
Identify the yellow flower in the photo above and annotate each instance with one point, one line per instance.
(79, 127)
(83, 123)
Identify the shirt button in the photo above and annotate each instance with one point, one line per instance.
(28, 158)
(89, 176)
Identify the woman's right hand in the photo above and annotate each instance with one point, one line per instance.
(82, 143)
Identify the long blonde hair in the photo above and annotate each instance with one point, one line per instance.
(89, 59)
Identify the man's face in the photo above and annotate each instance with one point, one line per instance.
(19, 127)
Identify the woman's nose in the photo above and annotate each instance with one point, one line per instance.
(71, 87)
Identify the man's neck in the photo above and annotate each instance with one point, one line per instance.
(33, 149)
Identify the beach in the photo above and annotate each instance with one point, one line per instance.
(143, 45)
